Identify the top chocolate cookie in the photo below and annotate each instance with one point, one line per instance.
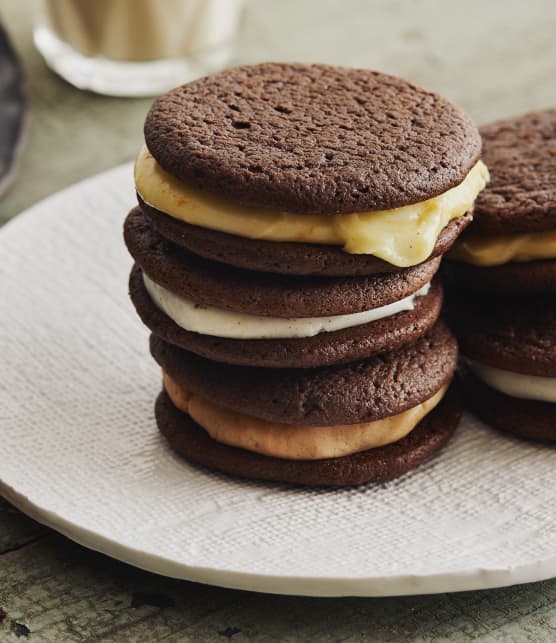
(521, 156)
(312, 138)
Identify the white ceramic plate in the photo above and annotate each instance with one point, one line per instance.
(80, 450)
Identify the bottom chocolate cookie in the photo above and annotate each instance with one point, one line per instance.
(380, 464)
(528, 419)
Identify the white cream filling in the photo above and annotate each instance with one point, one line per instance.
(529, 387)
(218, 322)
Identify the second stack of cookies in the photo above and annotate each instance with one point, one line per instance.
(504, 273)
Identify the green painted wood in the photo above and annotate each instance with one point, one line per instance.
(496, 59)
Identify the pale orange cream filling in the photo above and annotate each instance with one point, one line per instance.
(296, 442)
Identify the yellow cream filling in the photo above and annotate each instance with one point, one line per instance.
(402, 236)
(499, 249)
(296, 442)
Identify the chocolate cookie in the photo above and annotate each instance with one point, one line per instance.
(312, 138)
(521, 156)
(527, 418)
(383, 463)
(520, 278)
(337, 347)
(257, 293)
(363, 391)
(510, 334)
(284, 257)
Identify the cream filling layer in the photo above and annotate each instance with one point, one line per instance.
(217, 322)
(528, 387)
(499, 249)
(296, 442)
(402, 236)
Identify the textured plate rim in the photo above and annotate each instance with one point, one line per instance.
(316, 586)
(370, 586)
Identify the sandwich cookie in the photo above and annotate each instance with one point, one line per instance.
(321, 349)
(370, 420)
(509, 351)
(341, 159)
(511, 246)
(241, 318)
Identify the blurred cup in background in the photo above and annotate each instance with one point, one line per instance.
(135, 47)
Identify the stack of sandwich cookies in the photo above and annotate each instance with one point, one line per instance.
(504, 312)
(290, 224)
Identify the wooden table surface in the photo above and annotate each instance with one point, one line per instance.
(496, 59)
